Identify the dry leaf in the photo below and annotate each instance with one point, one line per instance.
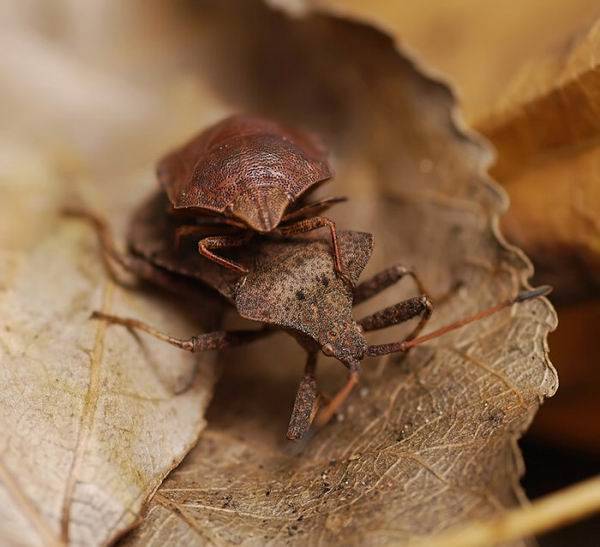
(535, 95)
(546, 130)
(92, 419)
(429, 441)
(479, 46)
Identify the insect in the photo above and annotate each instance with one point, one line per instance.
(247, 175)
(291, 286)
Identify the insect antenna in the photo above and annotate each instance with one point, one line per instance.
(384, 349)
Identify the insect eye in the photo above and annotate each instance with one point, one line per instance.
(327, 349)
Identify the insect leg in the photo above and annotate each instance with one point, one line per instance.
(338, 400)
(384, 279)
(192, 229)
(312, 209)
(220, 339)
(314, 223)
(206, 227)
(142, 269)
(220, 242)
(398, 313)
(110, 254)
(305, 404)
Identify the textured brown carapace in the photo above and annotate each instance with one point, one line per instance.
(243, 174)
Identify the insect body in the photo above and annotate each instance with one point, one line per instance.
(291, 285)
(247, 175)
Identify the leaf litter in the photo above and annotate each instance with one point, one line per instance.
(428, 440)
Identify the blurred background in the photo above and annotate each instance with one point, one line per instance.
(101, 76)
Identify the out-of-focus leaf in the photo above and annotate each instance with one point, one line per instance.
(429, 440)
(92, 418)
(546, 130)
(479, 46)
(91, 421)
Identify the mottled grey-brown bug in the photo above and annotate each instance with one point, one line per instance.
(291, 285)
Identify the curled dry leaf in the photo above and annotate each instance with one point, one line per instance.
(479, 46)
(428, 441)
(535, 95)
(546, 129)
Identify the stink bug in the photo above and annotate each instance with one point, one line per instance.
(292, 286)
(247, 175)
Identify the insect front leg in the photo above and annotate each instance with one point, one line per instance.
(313, 209)
(306, 402)
(207, 226)
(204, 342)
(191, 230)
(338, 400)
(220, 242)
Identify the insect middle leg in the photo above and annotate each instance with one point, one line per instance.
(403, 311)
(221, 242)
(384, 279)
(110, 253)
(216, 340)
(140, 268)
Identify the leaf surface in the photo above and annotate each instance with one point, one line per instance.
(428, 440)
(92, 418)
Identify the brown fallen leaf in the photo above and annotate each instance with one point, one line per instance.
(429, 441)
(546, 130)
(481, 47)
(535, 96)
(528, 78)
(92, 420)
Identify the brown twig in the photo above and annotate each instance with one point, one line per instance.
(552, 511)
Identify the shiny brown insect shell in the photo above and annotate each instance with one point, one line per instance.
(246, 168)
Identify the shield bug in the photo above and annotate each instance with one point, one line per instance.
(291, 286)
(247, 175)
